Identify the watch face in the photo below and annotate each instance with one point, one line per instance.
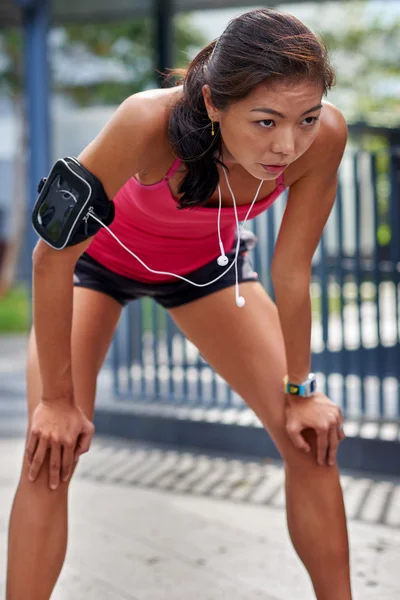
(294, 389)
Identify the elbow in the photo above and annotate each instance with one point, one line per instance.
(293, 279)
(44, 258)
(41, 255)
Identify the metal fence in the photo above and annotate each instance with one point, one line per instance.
(355, 302)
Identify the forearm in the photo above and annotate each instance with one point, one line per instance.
(294, 307)
(52, 318)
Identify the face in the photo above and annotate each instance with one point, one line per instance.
(269, 129)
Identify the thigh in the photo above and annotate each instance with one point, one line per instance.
(245, 346)
(95, 316)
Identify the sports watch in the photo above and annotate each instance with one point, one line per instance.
(304, 389)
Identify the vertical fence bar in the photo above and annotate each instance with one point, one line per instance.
(336, 316)
(323, 277)
(171, 332)
(340, 275)
(395, 257)
(358, 363)
(377, 280)
(36, 17)
(136, 333)
(359, 281)
(154, 345)
(115, 364)
(129, 357)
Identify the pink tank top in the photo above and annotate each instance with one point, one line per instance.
(166, 239)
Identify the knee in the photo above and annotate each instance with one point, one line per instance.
(299, 461)
(39, 491)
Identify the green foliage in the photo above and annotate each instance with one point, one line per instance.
(11, 50)
(128, 44)
(14, 311)
(368, 58)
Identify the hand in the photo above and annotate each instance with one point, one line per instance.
(64, 431)
(320, 414)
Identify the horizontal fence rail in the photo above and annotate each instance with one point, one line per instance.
(355, 308)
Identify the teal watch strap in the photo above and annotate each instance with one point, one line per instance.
(304, 389)
(295, 389)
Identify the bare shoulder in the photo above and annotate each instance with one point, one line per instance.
(144, 117)
(327, 148)
(333, 132)
(153, 106)
(136, 135)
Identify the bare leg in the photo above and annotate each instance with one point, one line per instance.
(317, 526)
(39, 522)
(245, 346)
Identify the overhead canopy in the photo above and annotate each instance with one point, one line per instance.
(90, 11)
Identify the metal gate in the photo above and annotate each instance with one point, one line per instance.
(355, 303)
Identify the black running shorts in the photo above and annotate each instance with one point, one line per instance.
(91, 274)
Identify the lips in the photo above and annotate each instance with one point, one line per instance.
(274, 168)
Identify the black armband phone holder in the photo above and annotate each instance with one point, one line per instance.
(67, 198)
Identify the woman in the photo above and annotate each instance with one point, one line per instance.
(248, 116)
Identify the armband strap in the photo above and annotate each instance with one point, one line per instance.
(67, 198)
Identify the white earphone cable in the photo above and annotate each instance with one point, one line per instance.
(221, 246)
(238, 229)
(239, 300)
(154, 270)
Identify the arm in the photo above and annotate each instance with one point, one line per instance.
(309, 204)
(114, 156)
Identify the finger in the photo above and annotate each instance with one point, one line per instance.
(84, 441)
(67, 461)
(38, 459)
(322, 445)
(297, 439)
(31, 447)
(55, 463)
(340, 426)
(333, 445)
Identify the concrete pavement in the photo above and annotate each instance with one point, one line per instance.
(162, 523)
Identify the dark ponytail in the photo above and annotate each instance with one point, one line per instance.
(260, 46)
(190, 133)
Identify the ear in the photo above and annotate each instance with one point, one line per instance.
(212, 111)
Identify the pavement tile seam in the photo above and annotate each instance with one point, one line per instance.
(170, 470)
(116, 530)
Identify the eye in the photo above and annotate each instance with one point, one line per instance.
(266, 123)
(309, 121)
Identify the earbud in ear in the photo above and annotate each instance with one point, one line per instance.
(222, 260)
(240, 301)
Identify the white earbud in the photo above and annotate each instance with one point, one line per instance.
(240, 301)
(222, 260)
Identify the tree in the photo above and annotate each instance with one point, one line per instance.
(365, 48)
(11, 85)
(126, 47)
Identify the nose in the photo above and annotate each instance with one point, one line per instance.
(284, 143)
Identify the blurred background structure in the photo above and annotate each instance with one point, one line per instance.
(65, 66)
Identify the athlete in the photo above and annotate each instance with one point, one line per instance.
(154, 206)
